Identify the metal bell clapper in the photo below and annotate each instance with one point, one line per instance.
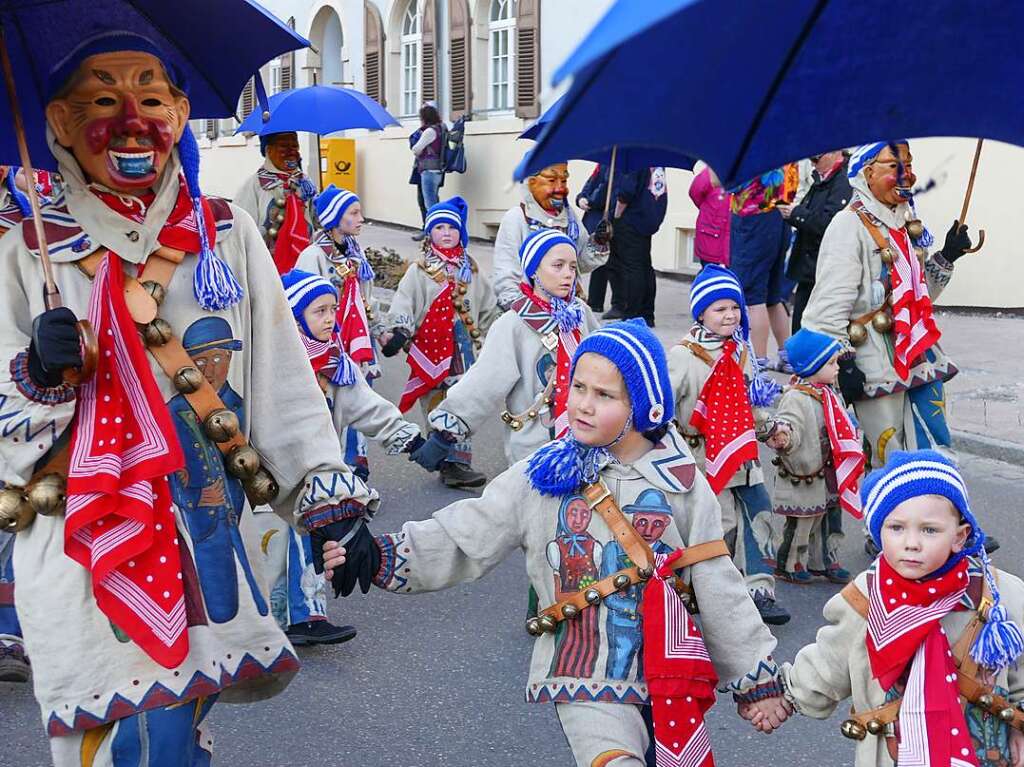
(857, 333)
(548, 623)
(570, 611)
(882, 322)
(15, 514)
(853, 730)
(157, 332)
(188, 379)
(221, 425)
(47, 496)
(261, 488)
(593, 596)
(243, 462)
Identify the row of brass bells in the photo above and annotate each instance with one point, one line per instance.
(15, 514)
(797, 480)
(882, 321)
(858, 333)
(221, 425)
(157, 333)
(645, 572)
(511, 421)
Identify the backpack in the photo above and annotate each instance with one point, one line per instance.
(453, 150)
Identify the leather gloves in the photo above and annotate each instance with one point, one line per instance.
(957, 243)
(54, 347)
(851, 379)
(433, 452)
(362, 554)
(399, 338)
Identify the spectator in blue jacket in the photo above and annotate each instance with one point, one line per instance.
(591, 201)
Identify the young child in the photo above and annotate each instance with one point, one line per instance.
(931, 619)
(606, 515)
(298, 596)
(441, 310)
(820, 462)
(523, 367)
(714, 381)
(336, 256)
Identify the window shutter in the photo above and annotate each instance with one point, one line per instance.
(428, 61)
(373, 60)
(288, 64)
(210, 128)
(248, 101)
(459, 33)
(527, 58)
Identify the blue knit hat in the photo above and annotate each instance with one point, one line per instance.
(301, 289)
(809, 350)
(636, 352)
(454, 211)
(865, 154)
(909, 475)
(331, 205)
(108, 42)
(714, 283)
(536, 246)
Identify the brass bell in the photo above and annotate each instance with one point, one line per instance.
(188, 379)
(593, 596)
(468, 321)
(783, 472)
(15, 514)
(272, 232)
(533, 627)
(243, 462)
(693, 441)
(620, 581)
(915, 228)
(808, 480)
(221, 425)
(279, 216)
(821, 473)
(279, 200)
(548, 623)
(858, 335)
(157, 332)
(47, 496)
(462, 290)
(156, 290)
(645, 572)
(985, 701)
(570, 611)
(474, 333)
(531, 414)
(516, 424)
(795, 481)
(1006, 714)
(921, 253)
(875, 727)
(776, 461)
(261, 488)
(853, 730)
(506, 417)
(887, 255)
(882, 322)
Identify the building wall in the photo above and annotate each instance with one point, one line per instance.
(994, 277)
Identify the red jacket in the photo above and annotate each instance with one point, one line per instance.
(711, 241)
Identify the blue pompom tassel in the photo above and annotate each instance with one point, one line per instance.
(926, 240)
(763, 391)
(561, 466)
(345, 373)
(465, 274)
(567, 314)
(306, 189)
(353, 250)
(999, 642)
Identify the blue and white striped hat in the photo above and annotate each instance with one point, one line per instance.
(454, 211)
(331, 205)
(808, 350)
(866, 153)
(537, 245)
(634, 349)
(713, 283)
(301, 289)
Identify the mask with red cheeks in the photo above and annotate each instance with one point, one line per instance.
(120, 116)
(890, 177)
(550, 187)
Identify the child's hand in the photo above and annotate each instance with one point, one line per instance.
(334, 557)
(1016, 748)
(780, 439)
(767, 715)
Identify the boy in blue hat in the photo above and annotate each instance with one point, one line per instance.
(716, 383)
(440, 312)
(926, 640)
(820, 462)
(622, 458)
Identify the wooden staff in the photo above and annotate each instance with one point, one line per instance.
(967, 198)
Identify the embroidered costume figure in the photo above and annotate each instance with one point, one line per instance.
(715, 381)
(925, 642)
(135, 597)
(820, 462)
(14, 204)
(622, 459)
(440, 312)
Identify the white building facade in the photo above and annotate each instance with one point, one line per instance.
(493, 60)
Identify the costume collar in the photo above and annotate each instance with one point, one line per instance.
(892, 218)
(668, 465)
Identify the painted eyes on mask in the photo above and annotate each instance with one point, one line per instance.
(105, 101)
(151, 102)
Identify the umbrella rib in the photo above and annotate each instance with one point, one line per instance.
(762, 110)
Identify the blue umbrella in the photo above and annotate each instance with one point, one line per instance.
(757, 85)
(216, 45)
(319, 109)
(534, 130)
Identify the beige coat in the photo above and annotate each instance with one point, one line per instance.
(264, 204)
(836, 668)
(809, 449)
(417, 290)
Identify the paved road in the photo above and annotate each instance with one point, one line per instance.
(438, 679)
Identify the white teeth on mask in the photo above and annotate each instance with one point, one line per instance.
(140, 156)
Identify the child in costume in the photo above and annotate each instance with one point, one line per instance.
(715, 382)
(524, 365)
(297, 594)
(820, 462)
(607, 516)
(441, 309)
(925, 641)
(335, 254)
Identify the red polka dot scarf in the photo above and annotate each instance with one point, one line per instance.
(847, 452)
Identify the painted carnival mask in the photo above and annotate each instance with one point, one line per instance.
(890, 177)
(120, 116)
(283, 152)
(550, 187)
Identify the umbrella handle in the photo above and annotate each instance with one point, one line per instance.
(981, 241)
(90, 355)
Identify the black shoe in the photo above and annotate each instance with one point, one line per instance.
(14, 666)
(771, 612)
(319, 632)
(991, 544)
(871, 548)
(835, 573)
(418, 236)
(459, 475)
(615, 313)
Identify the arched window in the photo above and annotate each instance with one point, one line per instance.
(412, 38)
(501, 26)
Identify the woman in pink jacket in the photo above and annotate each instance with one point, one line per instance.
(711, 242)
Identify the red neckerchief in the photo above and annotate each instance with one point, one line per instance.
(430, 355)
(322, 354)
(179, 231)
(293, 234)
(724, 416)
(904, 629)
(450, 256)
(680, 677)
(913, 325)
(567, 343)
(352, 322)
(119, 523)
(846, 447)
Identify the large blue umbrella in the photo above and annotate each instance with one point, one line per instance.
(217, 45)
(319, 109)
(749, 86)
(538, 125)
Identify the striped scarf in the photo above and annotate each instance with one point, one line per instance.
(847, 451)
(914, 326)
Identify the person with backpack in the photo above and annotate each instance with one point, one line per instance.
(429, 152)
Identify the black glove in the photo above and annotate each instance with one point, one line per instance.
(362, 554)
(363, 472)
(54, 347)
(957, 243)
(414, 444)
(398, 339)
(433, 452)
(851, 380)
(602, 235)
